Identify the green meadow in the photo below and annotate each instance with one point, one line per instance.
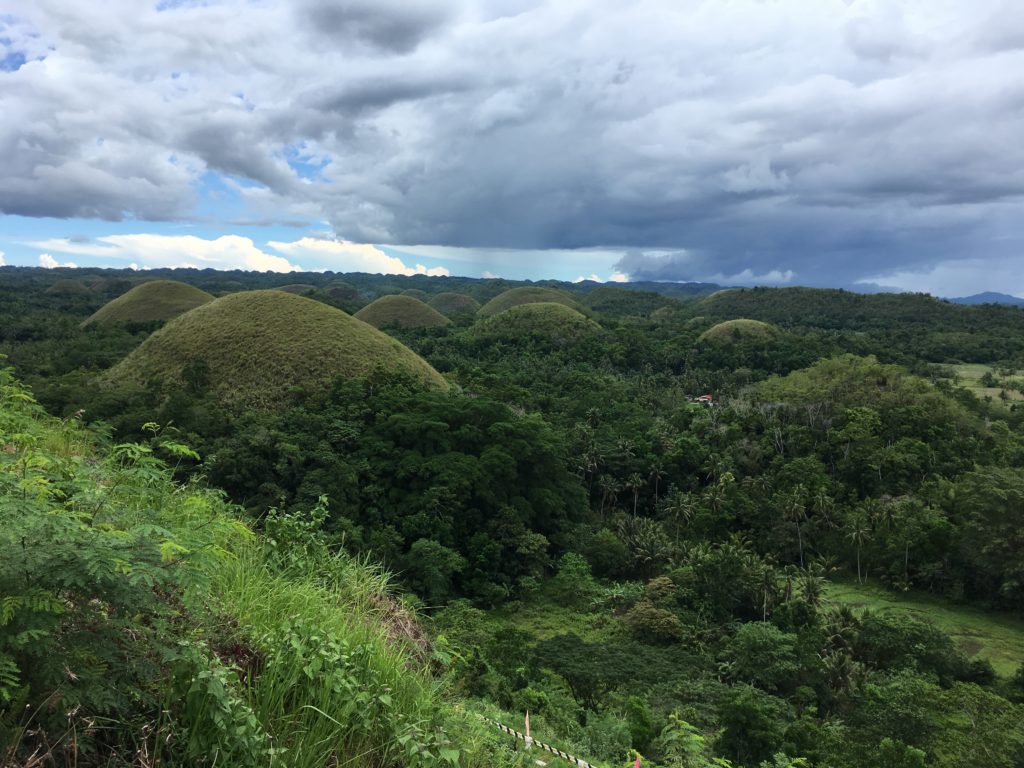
(996, 637)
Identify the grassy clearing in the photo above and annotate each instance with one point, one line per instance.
(999, 638)
(970, 375)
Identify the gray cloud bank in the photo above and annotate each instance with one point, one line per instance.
(823, 142)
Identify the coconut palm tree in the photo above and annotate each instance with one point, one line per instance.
(794, 509)
(858, 532)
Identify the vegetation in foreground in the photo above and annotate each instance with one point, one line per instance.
(144, 624)
(591, 541)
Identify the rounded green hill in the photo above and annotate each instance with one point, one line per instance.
(299, 289)
(251, 348)
(402, 312)
(151, 301)
(69, 288)
(451, 304)
(527, 295)
(342, 291)
(416, 293)
(739, 330)
(543, 321)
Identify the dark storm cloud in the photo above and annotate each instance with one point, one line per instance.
(393, 25)
(822, 143)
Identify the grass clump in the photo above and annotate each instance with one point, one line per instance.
(739, 330)
(451, 304)
(401, 311)
(546, 322)
(156, 300)
(251, 348)
(527, 295)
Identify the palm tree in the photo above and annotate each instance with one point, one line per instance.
(859, 533)
(657, 472)
(609, 490)
(795, 510)
(636, 482)
(823, 505)
(812, 584)
(682, 507)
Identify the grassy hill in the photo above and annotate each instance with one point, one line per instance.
(545, 321)
(402, 311)
(299, 289)
(152, 301)
(451, 304)
(527, 295)
(738, 330)
(254, 346)
(615, 301)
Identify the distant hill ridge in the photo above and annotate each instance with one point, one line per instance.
(989, 297)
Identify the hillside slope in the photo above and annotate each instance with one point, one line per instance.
(401, 311)
(527, 295)
(252, 347)
(155, 300)
(148, 607)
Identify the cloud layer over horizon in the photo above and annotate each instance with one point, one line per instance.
(840, 142)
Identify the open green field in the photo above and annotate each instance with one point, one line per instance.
(969, 375)
(997, 637)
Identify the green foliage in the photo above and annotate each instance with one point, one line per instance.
(95, 557)
(762, 655)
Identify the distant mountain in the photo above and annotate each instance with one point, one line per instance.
(990, 297)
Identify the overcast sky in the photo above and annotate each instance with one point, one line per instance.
(816, 142)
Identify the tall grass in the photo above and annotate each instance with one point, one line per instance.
(328, 669)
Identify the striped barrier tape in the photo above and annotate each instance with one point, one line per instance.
(529, 740)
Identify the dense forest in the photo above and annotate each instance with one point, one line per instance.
(748, 527)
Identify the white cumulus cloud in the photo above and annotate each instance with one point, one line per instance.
(2, 262)
(148, 251)
(353, 257)
(48, 262)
